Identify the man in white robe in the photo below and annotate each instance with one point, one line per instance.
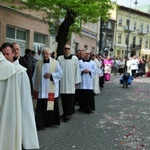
(10, 111)
(71, 77)
(88, 70)
(28, 129)
(96, 87)
(46, 79)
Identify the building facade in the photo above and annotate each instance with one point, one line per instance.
(26, 30)
(87, 39)
(131, 32)
(108, 28)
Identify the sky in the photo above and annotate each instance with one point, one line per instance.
(130, 3)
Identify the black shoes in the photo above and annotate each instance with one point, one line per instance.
(65, 117)
(87, 111)
(39, 128)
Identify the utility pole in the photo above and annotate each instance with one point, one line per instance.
(100, 36)
(128, 34)
(129, 28)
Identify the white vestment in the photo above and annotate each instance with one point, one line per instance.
(10, 110)
(134, 64)
(44, 85)
(87, 78)
(29, 132)
(96, 78)
(71, 74)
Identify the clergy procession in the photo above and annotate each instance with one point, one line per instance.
(72, 79)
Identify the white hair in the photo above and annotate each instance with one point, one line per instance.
(48, 49)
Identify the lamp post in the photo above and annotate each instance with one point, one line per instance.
(128, 33)
(100, 36)
(129, 27)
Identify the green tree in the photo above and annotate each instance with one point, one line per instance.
(64, 16)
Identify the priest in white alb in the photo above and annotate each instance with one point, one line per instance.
(88, 70)
(10, 111)
(28, 129)
(46, 77)
(71, 77)
(96, 88)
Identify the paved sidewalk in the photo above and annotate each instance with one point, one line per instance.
(121, 121)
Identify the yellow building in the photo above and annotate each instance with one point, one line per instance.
(132, 32)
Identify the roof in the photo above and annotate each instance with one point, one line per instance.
(144, 8)
(135, 11)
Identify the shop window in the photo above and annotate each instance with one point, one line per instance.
(39, 38)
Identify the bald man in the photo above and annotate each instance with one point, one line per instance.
(46, 79)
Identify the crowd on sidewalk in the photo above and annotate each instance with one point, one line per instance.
(44, 76)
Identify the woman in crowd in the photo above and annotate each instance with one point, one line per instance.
(148, 68)
(121, 66)
(134, 66)
(107, 68)
(142, 65)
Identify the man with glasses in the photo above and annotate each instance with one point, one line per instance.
(71, 77)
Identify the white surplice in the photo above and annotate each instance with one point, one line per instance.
(96, 78)
(71, 74)
(87, 78)
(10, 110)
(29, 132)
(44, 85)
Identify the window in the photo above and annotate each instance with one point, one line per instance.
(140, 41)
(85, 47)
(10, 32)
(76, 46)
(39, 38)
(14, 33)
(21, 35)
(127, 22)
(134, 25)
(141, 27)
(147, 28)
(134, 41)
(120, 21)
(109, 25)
(146, 43)
(119, 38)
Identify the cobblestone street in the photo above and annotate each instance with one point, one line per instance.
(121, 121)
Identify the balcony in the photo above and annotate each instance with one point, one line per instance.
(135, 46)
(131, 29)
(143, 32)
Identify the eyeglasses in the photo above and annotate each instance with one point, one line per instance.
(66, 48)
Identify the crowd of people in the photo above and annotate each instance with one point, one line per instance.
(135, 66)
(44, 76)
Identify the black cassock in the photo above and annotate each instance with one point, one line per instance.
(46, 118)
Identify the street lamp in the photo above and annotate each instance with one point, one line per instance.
(100, 36)
(135, 2)
(129, 27)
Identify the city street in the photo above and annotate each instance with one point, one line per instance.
(121, 121)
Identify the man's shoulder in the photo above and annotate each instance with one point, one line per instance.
(74, 57)
(60, 57)
(23, 62)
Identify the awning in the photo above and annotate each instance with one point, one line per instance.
(145, 52)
